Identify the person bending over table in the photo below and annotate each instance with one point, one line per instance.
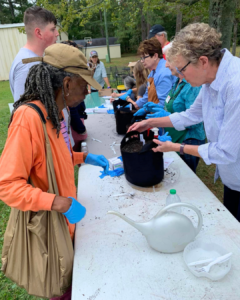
(51, 85)
(180, 98)
(100, 74)
(197, 55)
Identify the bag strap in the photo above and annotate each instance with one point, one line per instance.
(52, 182)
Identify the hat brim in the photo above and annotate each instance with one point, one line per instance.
(90, 80)
(151, 35)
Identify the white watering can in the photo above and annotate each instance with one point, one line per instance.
(168, 231)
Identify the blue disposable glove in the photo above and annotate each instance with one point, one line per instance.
(161, 113)
(165, 138)
(124, 96)
(152, 107)
(97, 160)
(140, 112)
(76, 212)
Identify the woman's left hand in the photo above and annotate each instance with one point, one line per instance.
(164, 146)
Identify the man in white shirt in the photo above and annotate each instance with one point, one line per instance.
(40, 27)
(159, 32)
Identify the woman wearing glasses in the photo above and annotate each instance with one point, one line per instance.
(179, 99)
(100, 74)
(196, 52)
(160, 80)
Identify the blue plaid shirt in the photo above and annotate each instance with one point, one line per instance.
(218, 105)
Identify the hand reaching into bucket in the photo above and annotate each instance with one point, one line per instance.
(139, 126)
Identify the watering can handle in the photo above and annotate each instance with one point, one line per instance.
(197, 211)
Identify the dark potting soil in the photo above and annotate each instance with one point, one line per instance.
(134, 146)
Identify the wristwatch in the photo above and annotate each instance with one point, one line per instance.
(182, 148)
(109, 87)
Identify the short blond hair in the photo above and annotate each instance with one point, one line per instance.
(195, 40)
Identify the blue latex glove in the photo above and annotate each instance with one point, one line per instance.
(152, 107)
(128, 93)
(161, 113)
(98, 160)
(110, 112)
(76, 212)
(165, 138)
(140, 112)
(117, 172)
(102, 106)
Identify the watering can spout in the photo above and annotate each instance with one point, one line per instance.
(142, 227)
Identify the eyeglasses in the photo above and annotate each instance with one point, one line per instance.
(144, 57)
(183, 69)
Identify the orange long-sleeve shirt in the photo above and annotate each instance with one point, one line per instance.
(24, 156)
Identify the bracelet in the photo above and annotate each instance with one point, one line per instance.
(109, 87)
(182, 149)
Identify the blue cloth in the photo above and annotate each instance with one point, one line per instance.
(165, 137)
(140, 112)
(163, 80)
(114, 173)
(218, 106)
(98, 160)
(102, 106)
(99, 74)
(182, 102)
(124, 96)
(110, 111)
(76, 212)
(152, 107)
(160, 114)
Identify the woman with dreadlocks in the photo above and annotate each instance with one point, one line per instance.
(59, 80)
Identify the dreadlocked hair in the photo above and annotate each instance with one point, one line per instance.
(42, 82)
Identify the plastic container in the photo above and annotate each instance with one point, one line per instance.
(173, 198)
(84, 147)
(201, 250)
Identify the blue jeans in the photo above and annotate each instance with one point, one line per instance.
(190, 160)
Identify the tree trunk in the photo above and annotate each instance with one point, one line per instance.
(101, 26)
(221, 16)
(227, 20)
(143, 26)
(179, 19)
(148, 24)
(215, 12)
(234, 45)
(11, 8)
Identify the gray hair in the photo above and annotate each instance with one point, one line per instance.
(129, 82)
(194, 41)
(162, 32)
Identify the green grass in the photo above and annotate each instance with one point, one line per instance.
(9, 290)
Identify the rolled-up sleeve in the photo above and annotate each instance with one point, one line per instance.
(227, 147)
